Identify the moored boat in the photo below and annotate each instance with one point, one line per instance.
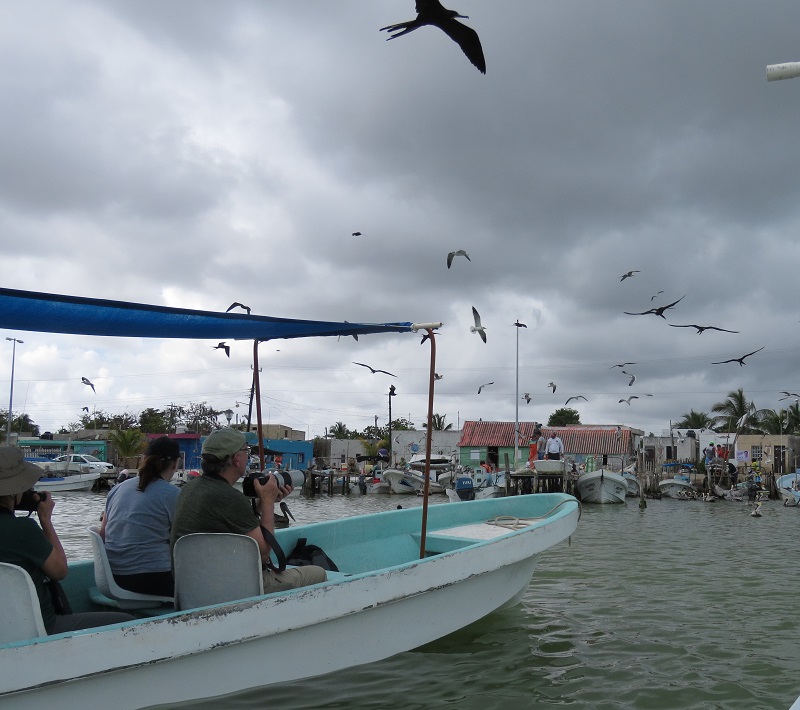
(676, 487)
(632, 482)
(478, 557)
(68, 482)
(601, 486)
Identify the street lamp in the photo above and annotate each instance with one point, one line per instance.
(392, 393)
(516, 398)
(11, 393)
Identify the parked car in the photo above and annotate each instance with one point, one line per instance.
(80, 461)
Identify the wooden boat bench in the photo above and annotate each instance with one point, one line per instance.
(449, 539)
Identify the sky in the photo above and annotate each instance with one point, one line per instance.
(194, 153)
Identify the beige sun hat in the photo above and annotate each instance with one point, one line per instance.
(16, 474)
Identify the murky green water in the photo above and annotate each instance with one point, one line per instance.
(683, 605)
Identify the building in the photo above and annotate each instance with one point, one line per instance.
(405, 444)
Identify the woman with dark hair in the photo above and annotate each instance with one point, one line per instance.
(136, 525)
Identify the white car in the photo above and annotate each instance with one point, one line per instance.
(82, 460)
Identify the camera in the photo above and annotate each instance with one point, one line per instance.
(30, 500)
(284, 478)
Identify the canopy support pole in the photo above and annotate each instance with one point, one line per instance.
(428, 440)
(257, 391)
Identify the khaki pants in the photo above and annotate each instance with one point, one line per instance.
(292, 578)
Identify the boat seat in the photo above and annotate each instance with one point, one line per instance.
(234, 559)
(108, 592)
(21, 616)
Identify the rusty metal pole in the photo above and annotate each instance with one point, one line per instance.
(428, 440)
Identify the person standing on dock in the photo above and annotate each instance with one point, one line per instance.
(541, 445)
(554, 447)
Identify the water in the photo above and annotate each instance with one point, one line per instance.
(683, 605)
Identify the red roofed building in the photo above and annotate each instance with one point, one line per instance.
(491, 441)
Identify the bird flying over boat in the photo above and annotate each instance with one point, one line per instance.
(526, 397)
(629, 274)
(519, 325)
(222, 346)
(740, 360)
(653, 298)
(577, 396)
(484, 385)
(553, 385)
(453, 254)
(631, 375)
(477, 328)
(628, 400)
(657, 311)
(623, 364)
(86, 382)
(701, 328)
(236, 304)
(431, 12)
(373, 370)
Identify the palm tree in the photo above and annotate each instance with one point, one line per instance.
(438, 423)
(339, 431)
(774, 422)
(793, 419)
(128, 443)
(736, 413)
(695, 420)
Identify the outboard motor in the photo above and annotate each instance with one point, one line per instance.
(465, 487)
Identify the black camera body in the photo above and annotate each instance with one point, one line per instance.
(249, 486)
(30, 500)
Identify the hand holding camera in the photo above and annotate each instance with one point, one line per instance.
(36, 502)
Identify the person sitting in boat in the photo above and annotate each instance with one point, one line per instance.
(37, 548)
(138, 519)
(210, 504)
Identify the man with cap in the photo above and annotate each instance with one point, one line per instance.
(210, 504)
(37, 549)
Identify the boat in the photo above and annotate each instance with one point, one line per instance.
(676, 487)
(601, 486)
(632, 482)
(67, 482)
(478, 557)
(788, 486)
(401, 481)
(469, 485)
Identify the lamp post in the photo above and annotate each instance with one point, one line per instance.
(11, 393)
(516, 398)
(392, 393)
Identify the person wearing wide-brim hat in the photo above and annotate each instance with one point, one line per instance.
(36, 548)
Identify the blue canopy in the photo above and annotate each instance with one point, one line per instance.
(52, 313)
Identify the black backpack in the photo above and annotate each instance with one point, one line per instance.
(304, 554)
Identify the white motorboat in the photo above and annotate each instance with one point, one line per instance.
(676, 487)
(410, 481)
(469, 485)
(788, 486)
(67, 482)
(632, 481)
(476, 558)
(601, 486)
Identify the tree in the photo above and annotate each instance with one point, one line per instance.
(153, 421)
(564, 417)
(20, 423)
(793, 419)
(339, 431)
(201, 418)
(695, 420)
(374, 433)
(730, 413)
(774, 422)
(128, 443)
(402, 425)
(438, 423)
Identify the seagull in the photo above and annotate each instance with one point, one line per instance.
(632, 376)
(789, 395)
(701, 328)
(236, 304)
(740, 360)
(526, 397)
(519, 325)
(86, 382)
(653, 298)
(577, 396)
(484, 385)
(628, 400)
(437, 376)
(657, 311)
(553, 385)
(222, 346)
(356, 234)
(453, 254)
(621, 365)
(431, 12)
(629, 274)
(477, 328)
(373, 370)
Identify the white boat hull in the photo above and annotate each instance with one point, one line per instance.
(675, 488)
(601, 486)
(409, 482)
(480, 493)
(286, 636)
(72, 482)
(633, 484)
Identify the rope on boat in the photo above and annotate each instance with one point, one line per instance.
(513, 523)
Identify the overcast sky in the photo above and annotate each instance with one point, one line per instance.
(201, 152)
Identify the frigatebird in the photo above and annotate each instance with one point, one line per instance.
(431, 12)
(629, 274)
(657, 311)
(222, 346)
(356, 234)
(740, 360)
(701, 328)
(236, 304)
(477, 328)
(519, 325)
(86, 382)
(458, 252)
(373, 370)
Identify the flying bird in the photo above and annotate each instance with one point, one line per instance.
(629, 274)
(526, 397)
(86, 382)
(788, 395)
(477, 328)
(437, 376)
(373, 370)
(653, 298)
(623, 364)
(222, 346)
(577, 396)
(631, 375)
(740, 360)
(657, 311)
(356, 234)
(701, 328)
(628, 400)
(453, 254)
(484, 385)
(553, 385)
(85, 409)
(519, 325)
(236, 304)
(431, 12)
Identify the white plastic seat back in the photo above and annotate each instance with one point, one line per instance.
(104, 579)
(212, 568)
(20, 613)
